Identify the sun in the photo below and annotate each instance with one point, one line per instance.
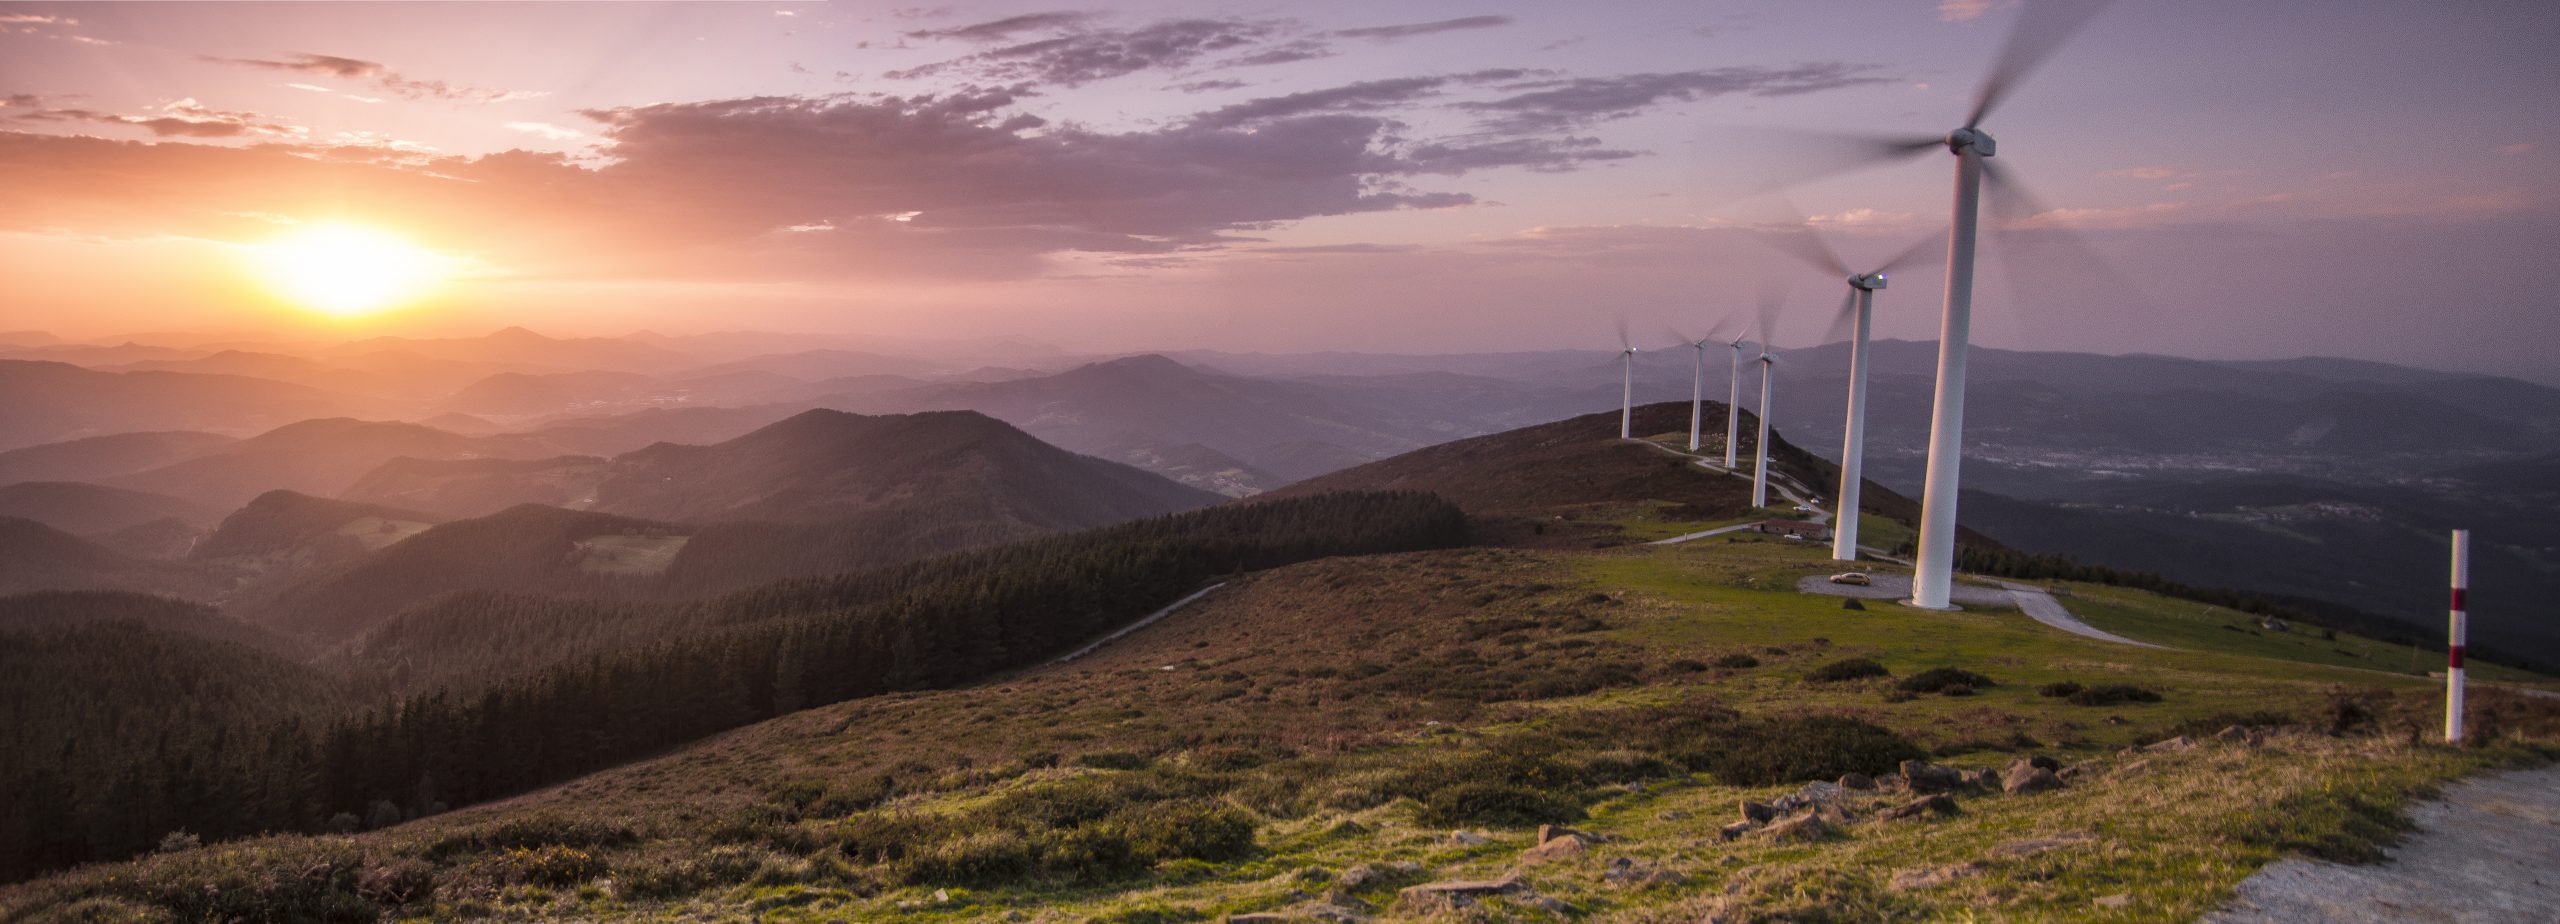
(347, 270)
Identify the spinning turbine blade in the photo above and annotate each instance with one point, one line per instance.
(1919, 249)
(2042, 27)
(1817, 155)
(1840, 323)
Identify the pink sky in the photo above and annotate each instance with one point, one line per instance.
(2363, 179)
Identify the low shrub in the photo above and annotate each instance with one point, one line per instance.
(2058, 689)
(1945, 680)
(1740, 660)
(1847, 669)
(2110, 694)
(1496, 804)
(1769, 751)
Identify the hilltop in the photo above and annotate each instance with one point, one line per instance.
(1346, 725)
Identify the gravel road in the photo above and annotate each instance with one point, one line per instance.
(2487, 853)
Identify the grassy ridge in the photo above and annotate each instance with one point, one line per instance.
(1338, 710)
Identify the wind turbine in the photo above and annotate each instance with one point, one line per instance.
(1733, 406)
(1760, 468)
(1626, 384)
(1769, 304)
(2042, 27)
(1698, 385)
(1857, 311)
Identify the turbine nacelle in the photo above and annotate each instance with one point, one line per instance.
(1870, 281)
(1970, 137)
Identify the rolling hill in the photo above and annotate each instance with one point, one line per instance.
(100, 457)
(477, 487)
(88, 509)
(281, 534)
(48, 402)
(528, 549)
(36, 557)
(318, 457)
(822, 465)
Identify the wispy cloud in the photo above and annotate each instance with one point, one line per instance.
(1008, 27)
(1409, 30)
(1566, 103)
(178, 118)
(1964, 10)
(1084, 55)
(548, 130)
(381, 76)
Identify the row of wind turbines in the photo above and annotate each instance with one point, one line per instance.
(2042, 27)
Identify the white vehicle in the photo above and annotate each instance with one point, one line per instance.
(1852, 578)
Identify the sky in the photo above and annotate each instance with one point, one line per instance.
(2210, 179)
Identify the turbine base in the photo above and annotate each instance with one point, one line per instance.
(1915, 604)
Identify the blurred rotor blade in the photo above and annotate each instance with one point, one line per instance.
(1624, 342)
(2043, 261)
(1771, 299)
(1842, 322)
(2042, 27)
(1919, 250)
(1806, 245)
(1795, 158)
(1722, 325)
(1679, 338)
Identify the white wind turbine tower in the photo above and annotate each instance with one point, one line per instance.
(1857, 312)
(1768, 375)
(1733, 406)
(1626, 384)
(2042, 27)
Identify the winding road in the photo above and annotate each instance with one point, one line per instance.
(2033, 601)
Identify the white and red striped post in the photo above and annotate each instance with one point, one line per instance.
(2460, 630)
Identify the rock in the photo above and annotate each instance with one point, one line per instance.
(2114, 720)
(1510, 882)
(2180, 743)
(1673, 815)
(1929, 877)
(1852, 603)
(1798, 830)
(2238, 735)
(1468, 839)
(1550, 904)
(1734, 830)
(1925, 777)
(2076, 772)
(2118, 900)
(1982, 779)
(2046, 762)
(2023, 778)
(1625, 872)
(1346, 900)
(1551, 832)
(942, 895)
(1365, 875)
(1858, 781)
(1939, 804)
(1340, 914)
(1815, 793)
(2015, 850)
(1561, 848)
(1258, 917)
(1757, 813)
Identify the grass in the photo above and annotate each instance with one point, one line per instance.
(1354, 711)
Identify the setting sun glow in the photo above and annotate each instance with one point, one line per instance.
(347, 270)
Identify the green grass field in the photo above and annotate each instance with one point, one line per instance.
(1333, 708)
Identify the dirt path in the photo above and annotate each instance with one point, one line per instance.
(2045, 609)
(1140, 624)
(2488, 852)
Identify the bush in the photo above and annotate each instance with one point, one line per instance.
(1847, 669)
(1947, 680)
(1766, 752)
(983, 858)
(1739, 660)
(1495, 804)
(2109, 694)
(1112, 760)
(2059, 689)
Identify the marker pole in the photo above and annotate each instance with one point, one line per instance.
(2460, 630)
